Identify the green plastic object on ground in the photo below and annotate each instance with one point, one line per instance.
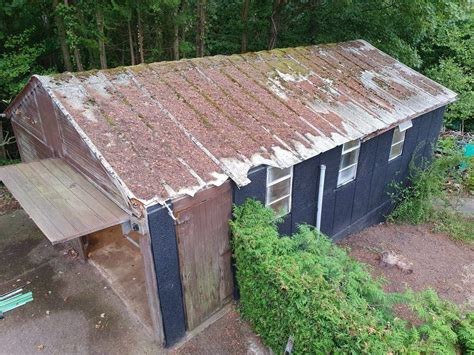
(468, 152)
(13, 300)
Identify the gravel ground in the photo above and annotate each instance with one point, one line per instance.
(436, 261)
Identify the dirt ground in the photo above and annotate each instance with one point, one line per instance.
(7, 202)
(228, 335)
(435, 260)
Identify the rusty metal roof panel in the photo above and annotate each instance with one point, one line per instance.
(172, 128)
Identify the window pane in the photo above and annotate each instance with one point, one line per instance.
(396, 150)
(349, 158)
(278, 190)
(346, 175)
(275, 173)
(350, 145)
(281, 207)
(398, 136)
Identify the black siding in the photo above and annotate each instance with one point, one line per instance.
(165, 254)
(362, 202)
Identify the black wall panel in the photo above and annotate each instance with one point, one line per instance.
(256, 189)
(361, 197)
(165, 255)
(343, 207)
(347, 209)
(361, 202)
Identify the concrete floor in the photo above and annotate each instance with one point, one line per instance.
(121, 264)
(73, 311)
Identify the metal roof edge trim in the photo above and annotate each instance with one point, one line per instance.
(127, 194)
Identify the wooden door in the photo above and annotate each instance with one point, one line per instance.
(204, 251)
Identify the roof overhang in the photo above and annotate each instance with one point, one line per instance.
(62, 203)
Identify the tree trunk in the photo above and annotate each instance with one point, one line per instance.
(77, 57)
(175, 53)
(275, 22)
(176, 42)
(201, 27)
(100, 28)
(245, 21)
(3, 154)
(62, 39)
(130, 42)
(140, 37)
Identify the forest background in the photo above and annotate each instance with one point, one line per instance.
(50, 36)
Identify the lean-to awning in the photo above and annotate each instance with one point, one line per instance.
(62, 203)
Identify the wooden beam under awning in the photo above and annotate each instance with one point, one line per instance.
(62, 203)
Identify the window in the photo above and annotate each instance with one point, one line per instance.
(349, 159)
(398, 140)
(279, 183)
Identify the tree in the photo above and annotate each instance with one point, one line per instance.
(200, 27)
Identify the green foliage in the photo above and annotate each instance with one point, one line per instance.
(434, 36)
(306, 287)
(414, 203)
(18, 63)
(449, 60)
(456, 225)
(425, 199)
(9, 161)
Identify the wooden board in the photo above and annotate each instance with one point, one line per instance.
(204, 252)
(61, 202)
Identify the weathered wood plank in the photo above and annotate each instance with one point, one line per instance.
(63, 204)
(204, 252)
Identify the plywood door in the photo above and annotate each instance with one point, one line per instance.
(204, 251)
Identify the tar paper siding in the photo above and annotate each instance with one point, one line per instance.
(346, 209)
(165, 254)
(360, 203)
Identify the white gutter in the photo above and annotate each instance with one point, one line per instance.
(322, 175)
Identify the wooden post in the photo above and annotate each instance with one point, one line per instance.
(152, 288)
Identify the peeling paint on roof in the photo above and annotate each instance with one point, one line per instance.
(172, 128)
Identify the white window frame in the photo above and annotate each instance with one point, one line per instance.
(402, 128)
(344, 152)
(274, 182)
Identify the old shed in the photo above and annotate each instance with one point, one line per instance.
(164, 149)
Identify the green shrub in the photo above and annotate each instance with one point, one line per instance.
(425, 199)
(414, 203)
(306, 287)
(9, 161)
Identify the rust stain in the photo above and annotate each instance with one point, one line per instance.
(170, 129)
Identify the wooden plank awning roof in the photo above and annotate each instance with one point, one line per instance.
(62, 203)
(169, 129)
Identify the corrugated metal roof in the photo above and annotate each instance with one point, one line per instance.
(171, 128)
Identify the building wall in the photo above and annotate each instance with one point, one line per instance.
(360, 203)
(165, 254)
(42, 132)
(347, 209)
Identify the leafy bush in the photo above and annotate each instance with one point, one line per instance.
(306, 287)
(414, 203)
(8, 161)
(425, 200)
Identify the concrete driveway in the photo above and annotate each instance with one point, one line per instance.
(73, 311)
